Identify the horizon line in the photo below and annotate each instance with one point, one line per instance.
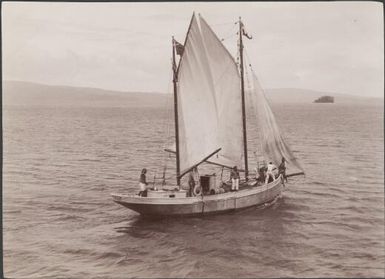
(169, 93)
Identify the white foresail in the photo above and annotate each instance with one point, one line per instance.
(227, 90)
(273, 144)
(209, 100)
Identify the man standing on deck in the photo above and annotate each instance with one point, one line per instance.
(143, 184)
(270, 172)
(282, 168)
(191, 181)
(234, 176)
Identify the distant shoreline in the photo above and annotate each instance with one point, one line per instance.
(18, 93)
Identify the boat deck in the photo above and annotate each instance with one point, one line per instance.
(247, 196)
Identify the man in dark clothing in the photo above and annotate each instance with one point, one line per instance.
(234, 176)
(282, 168)
(191, 182)
(262, 174)
(143, 184)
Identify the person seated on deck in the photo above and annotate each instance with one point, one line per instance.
(234, 176)
(270, 172)
(261, 174)
(257, 175)
(143, 184)
(282, 169)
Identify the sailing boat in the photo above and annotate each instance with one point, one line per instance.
(210, 129)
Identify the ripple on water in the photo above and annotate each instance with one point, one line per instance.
(61, 164)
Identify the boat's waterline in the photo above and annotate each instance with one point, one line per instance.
(200, 205)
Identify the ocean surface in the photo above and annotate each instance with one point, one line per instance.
(61, 164)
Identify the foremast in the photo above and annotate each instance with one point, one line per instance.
(175, 80)
(243, 99)
(175, 70)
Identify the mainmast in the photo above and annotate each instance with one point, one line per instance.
(175, 80)
(243, 98)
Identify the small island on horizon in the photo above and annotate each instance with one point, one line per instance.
(325, 99)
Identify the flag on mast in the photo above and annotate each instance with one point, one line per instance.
(178, 47)
(244, 33)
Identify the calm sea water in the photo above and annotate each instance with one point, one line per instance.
(61, 164)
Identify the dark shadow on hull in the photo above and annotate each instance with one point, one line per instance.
(146, 217)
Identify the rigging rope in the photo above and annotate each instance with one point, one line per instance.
(248, 59)
(222, 74)
(165, 127)
(228, 37)
(258, 152)
(230, 33)
(224, 23)
(248, 84)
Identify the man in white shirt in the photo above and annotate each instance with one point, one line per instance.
(270, 172)
(234, 176)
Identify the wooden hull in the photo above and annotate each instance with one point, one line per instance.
(211, 204)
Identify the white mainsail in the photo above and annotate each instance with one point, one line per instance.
(273, 144)
(209, 100)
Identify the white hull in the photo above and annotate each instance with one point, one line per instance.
(200, 205)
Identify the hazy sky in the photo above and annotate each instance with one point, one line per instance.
(329, 46)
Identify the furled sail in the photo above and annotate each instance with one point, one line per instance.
(209, 103)
(273, 144)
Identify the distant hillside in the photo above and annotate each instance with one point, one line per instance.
(34, 94)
